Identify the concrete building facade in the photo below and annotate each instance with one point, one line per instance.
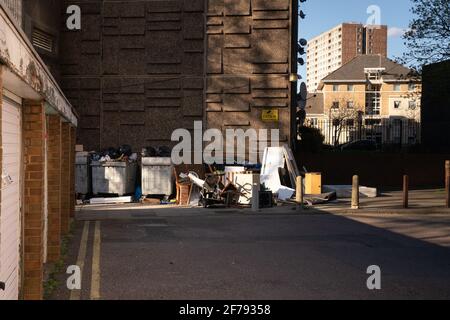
(337, 46)
(137, 71)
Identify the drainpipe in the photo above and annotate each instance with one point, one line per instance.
(294, 71)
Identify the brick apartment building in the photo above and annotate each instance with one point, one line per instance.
(377, 98)
(137, 71)
(337, 46)
(37, 156)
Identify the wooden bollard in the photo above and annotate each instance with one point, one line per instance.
(447, 183)
(299, 196)
(405, 192)
(355, 193)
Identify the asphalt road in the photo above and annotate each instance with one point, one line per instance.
(147, 253)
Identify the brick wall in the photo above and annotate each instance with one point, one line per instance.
(65, 178)
(73, 139)
(54, 175)
(34, 157)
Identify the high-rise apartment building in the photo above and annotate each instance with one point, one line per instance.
(334, 48)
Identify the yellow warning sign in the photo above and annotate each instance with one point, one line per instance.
(270, 115)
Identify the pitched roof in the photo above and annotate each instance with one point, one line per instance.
(354, 69)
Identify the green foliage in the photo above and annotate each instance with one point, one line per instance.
(428, 37)
(52, 282)
(311, 139)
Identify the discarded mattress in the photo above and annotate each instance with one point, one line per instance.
(343, 191)
(313, 200)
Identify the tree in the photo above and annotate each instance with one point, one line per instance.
(428, 37)
(343, 116)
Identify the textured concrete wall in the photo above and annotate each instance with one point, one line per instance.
(248, 63)
(135, 70)
(139, 70)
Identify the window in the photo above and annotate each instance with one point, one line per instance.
(412, 87)
(350, 104)
(335, 105)
(335, 87)
(412, 105)
(397, 104)
(350, 87)
(373, 100)
(397, 87)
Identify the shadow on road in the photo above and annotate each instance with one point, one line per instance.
(193, 253)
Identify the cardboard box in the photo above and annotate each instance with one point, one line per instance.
(313, 183)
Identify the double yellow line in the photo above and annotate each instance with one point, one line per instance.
(95, 271)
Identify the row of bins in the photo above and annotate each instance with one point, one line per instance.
(119, 178)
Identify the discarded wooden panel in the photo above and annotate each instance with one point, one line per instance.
(117, 200)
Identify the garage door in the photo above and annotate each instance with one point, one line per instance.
(10, 197)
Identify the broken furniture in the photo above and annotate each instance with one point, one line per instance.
(184, 187)
(157, 176)
(113, 177)
(212, 190)
(244, 182)
(183, 192)
(211, 193)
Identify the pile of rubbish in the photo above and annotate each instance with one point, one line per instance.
(158, 152)
(122, 154)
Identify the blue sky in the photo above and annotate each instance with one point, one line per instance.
(322, 15)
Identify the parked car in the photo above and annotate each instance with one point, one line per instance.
(360, 145)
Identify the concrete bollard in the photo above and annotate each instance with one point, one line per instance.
(405, 192)
(447, 183)
(299, 196)
(355, 193)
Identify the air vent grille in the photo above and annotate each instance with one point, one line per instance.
(42, 40)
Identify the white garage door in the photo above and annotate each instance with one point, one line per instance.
(10, 197)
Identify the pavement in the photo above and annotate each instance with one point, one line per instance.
(142, 252)
(419, 202)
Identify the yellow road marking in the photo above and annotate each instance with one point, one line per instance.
(95, 276)
(76, 294)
